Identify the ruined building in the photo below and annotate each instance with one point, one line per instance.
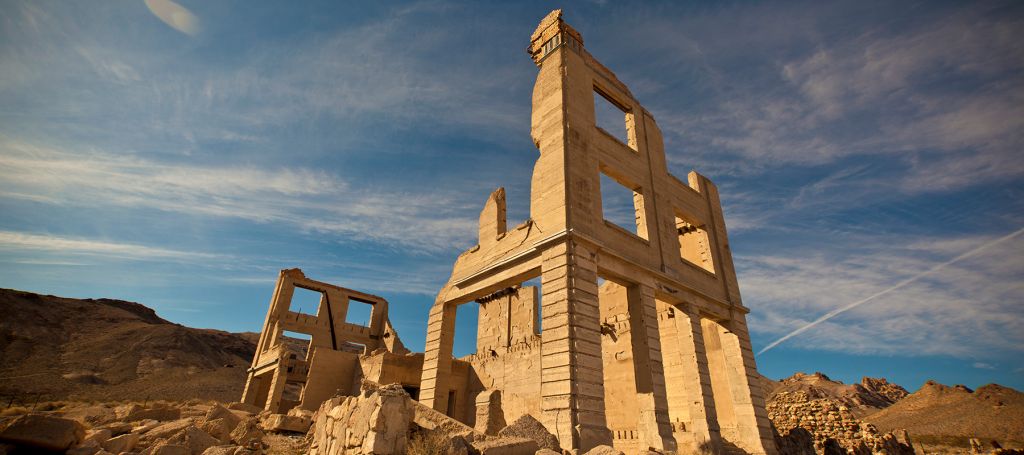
(633, 337)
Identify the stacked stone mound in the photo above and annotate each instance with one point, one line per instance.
(384, 420)
(806, 425)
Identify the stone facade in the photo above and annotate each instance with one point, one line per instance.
(642, 341)
(631, 337)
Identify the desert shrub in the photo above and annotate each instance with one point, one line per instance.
(427, 443)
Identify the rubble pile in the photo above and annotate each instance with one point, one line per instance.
(824, 423)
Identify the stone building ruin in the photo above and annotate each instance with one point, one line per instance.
(631, 336)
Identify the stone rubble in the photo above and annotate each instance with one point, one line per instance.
(800, 419)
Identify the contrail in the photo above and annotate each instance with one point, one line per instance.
(905, 282)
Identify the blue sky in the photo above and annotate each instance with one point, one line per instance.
(182, 163)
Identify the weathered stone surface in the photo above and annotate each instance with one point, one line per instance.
(377, 423)
(506, 446)
(603, 450)
(218, 428)
(96, 437)
(239, 406)
(44, 432)
(489, 416)
(547, 452)
(248, 433)
(194, 439)
(135, 412)
(529, 428)
(162, 430)
(282, 422)
(225, 450)
(123, 443)
(170, 449)
(220, 412)
(119, 428)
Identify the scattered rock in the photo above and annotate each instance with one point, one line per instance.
(134, 412)
(170, 449)
(43, 432)
(282, 422)
(506, 446)
(377, 421)
(529, 428)
(194, 439)
(248, 433)
(244, 407)
(604, 450)
(123, 443)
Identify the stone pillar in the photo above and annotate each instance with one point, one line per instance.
(437, 356)
(277, 382)
(571, 365)
(703, 423)
(490, 418)
(752, 423)
(654, 427)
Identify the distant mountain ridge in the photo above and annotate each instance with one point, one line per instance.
(104, 349)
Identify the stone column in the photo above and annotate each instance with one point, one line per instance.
(748, 399)
(696, 379)
(654, 427)
(277, 382)
(437, 356)
(571, 365)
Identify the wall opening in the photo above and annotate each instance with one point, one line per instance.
(296, 343)
(622, 409)
(466, 321)
(306, 301)
(538, 326)
(694, 245)
(359, 312)
(623, 205)
(612, 118)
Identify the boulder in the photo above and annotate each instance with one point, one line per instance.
(226, 450)
(43, 432)
(196, 440)
(547, 452)
(170, 449)
(529, 428)
(218, 428)
(165, 430)
(119, 428)
(134, 412)
(604, 450)
(248, 433)
(506, 446)
(123, 443)
(220, 412)
(282, 422)
(96, 438)
(377, 421)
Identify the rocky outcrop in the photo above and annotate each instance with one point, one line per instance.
(882, 387)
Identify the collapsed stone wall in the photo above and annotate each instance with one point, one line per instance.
(807, 425)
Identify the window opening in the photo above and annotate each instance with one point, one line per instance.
(694, 245)
(612, 118)
(622, 206)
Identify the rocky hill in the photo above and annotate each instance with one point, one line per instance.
(867, 397)
(56, 348)
(954, 414)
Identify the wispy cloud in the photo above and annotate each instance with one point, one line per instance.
(313, 201)
(175, 15)
(21, 242)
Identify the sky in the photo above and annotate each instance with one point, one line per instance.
(181, 154)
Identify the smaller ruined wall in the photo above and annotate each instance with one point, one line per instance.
(330, 373)
(795, 414)
(516, 372)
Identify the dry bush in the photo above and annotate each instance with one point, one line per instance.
(427, 443)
